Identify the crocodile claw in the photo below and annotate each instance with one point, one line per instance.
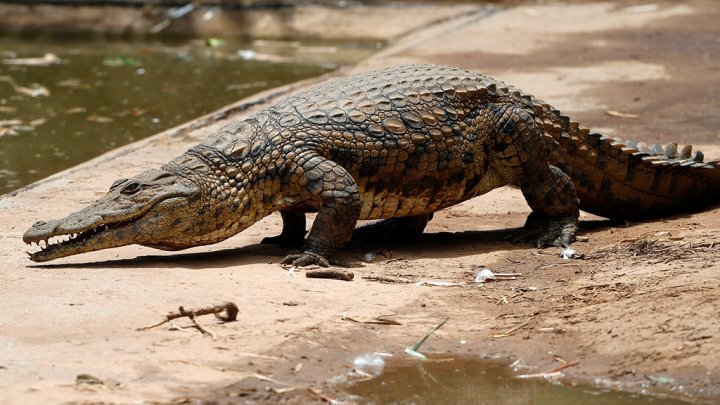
(543, 231)
(305, 258)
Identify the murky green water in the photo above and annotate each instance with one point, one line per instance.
(473, 381)
(104, 93)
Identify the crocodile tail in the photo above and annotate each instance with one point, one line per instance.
(623, 180)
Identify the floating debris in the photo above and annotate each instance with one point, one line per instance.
(99, 119)
(14, 127)
(45, 60)
(214, 42)
(115, 61)
(245, 86)
(249, 54)
(76, 110)
(36, 90)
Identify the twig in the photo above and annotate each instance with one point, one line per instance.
(381, 279)
(513, 330)
(551, 372)
(508, 275)
(322, 396)
(330, 273)
(419, 343)
(376, 321)
(231, 310)
(181, 329)
(200, 327)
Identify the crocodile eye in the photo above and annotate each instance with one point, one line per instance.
(131, 188)
(116, 183)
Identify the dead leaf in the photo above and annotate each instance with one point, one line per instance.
(88, 379)
(7, 109)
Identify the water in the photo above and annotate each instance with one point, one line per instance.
(105, 93)
(473, 381)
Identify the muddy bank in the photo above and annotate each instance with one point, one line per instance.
(312, 21)
(639, 313)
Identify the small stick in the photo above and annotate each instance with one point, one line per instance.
(419, 343)
(513, 330)
(231, 310)
(181, 329)
(552, 371)
(200, 327)
(330, 273)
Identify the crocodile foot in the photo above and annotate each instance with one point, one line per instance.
(544, 231)
(285, 240)
(305, 258)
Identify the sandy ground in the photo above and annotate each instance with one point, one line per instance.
(641, 308)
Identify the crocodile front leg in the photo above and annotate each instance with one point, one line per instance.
(331, 189)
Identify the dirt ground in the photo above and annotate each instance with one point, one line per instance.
(640, 312)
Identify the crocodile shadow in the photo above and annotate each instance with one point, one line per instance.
(427, 245)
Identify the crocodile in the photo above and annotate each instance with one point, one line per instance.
(396, 144)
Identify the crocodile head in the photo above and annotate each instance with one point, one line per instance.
(156, 208)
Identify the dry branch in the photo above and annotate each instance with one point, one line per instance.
(330, 273)
(229, 308)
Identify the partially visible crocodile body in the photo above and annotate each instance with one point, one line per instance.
(402, 143)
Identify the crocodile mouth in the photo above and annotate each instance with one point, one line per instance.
(54, 245)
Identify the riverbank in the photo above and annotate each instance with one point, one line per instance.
(268, 20)
(640, 312)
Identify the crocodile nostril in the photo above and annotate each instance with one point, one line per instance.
(40, 223)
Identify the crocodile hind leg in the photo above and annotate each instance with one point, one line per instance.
(554, 220)
(393, 229)
(333, 191)
(293, 230)
(523, 161)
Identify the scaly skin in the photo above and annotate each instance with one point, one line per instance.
(399, 143)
